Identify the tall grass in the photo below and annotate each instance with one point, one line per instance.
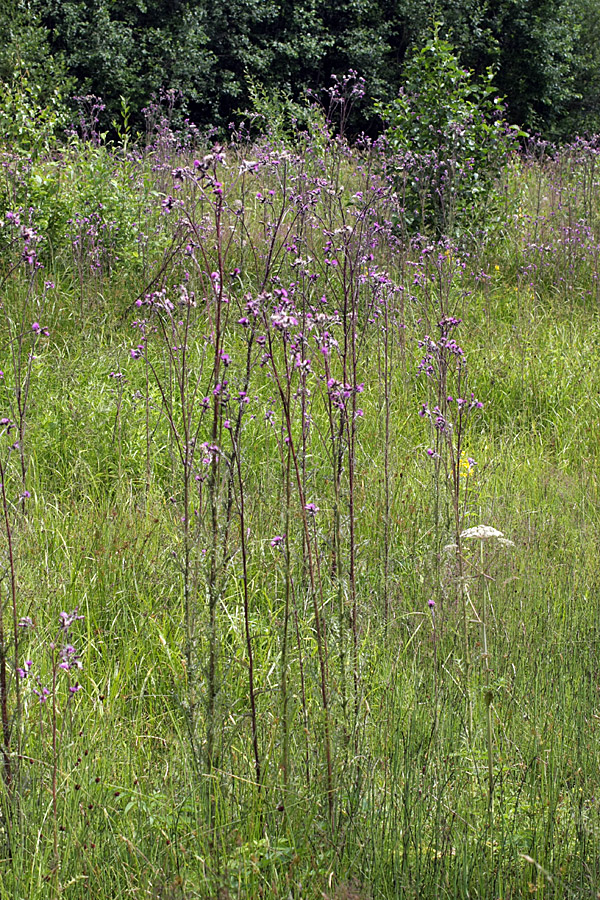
(295, 676)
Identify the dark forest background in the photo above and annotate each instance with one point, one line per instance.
(545, 54)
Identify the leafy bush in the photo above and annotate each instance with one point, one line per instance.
(448, 138)
(33, 83)
(29, 121)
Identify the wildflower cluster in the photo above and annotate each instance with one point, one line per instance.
(64, 656)
(25, 235)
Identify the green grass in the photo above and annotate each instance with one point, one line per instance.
(139, 810)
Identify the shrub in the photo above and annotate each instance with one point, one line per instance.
(448, 140)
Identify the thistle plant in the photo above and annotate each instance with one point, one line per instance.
(11, 720)
(486, 536)
(51, 687)
(444, 366)
(280, 318)
(13, 455)
(183, 348)
(64, 658)
(167, 341)
(25, 328)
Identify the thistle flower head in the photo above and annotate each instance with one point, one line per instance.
(67, 619)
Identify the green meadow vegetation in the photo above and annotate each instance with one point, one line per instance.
(299, 517)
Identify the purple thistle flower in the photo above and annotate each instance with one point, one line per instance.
(311, 509)
(69, 659)
(43, 693)
(67, 619)
(283, 320)
(24, 672)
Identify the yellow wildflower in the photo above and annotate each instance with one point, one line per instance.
(465, 465)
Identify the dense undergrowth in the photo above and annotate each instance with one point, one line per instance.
(253, 643)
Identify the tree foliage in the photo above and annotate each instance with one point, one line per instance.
(33, 81)
(544, 53)
(531, 46)
(447, 154)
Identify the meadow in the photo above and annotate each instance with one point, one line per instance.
(299, 561)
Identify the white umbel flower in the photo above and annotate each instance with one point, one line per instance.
(482, 533)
